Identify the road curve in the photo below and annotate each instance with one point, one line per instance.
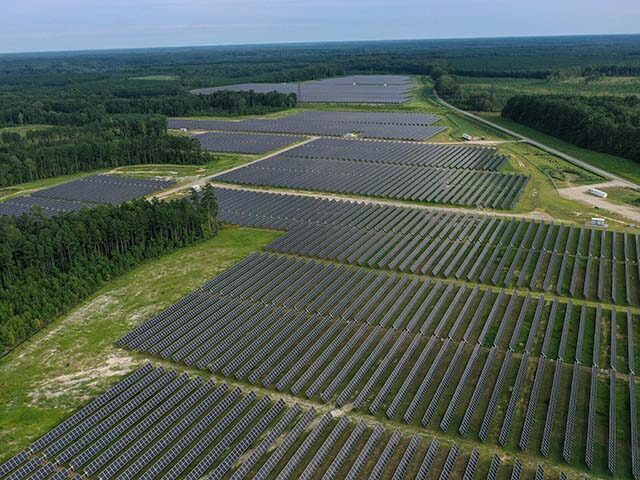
(541, 146)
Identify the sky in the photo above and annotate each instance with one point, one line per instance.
(49, 25)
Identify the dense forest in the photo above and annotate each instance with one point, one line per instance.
(95, 102)
(48, 265)
(450, 89)
(532, 57)
(605, 124)
(117, 141)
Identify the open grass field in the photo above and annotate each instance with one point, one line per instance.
(504, 88)
(61, 368)
(548, 173)
(625, 196)
(23, 129)
(617, 165)
(158, 78)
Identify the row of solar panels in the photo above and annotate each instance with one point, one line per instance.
(286, 211)
(370, 151)
(423, 184)
(158, 424)
(399, 126)
(351, 89)
(389, 301)
(417, 348)
(83, 193)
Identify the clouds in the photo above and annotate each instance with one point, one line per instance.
(85, 24)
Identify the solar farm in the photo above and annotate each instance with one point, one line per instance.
(244, 142)
(419, 184)
(398, 126)
(83, 193)
(367, 338)
(112, 189)
(351, 89)
(402, 153)
(160, 424)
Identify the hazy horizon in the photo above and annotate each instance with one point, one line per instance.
(30, 26)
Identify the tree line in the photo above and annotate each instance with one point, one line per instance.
(605, 124)
(448, 88)
(95, 103)
(48, 265)
(116, 141)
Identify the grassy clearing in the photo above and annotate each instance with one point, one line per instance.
(65, 365)
(625, 196)
(23, 129)
(504, 88)
(548, 173)
(222, 162)
(161, 78)
(617, 165)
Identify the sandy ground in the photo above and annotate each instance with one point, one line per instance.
(580, 194)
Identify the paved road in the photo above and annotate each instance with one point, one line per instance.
(553, 151)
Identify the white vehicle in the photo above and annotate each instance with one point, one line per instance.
(597, 193)
(598, 222)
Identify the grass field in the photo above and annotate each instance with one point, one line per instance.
(504, 88)
(548, 173)
(23, 129)
(74, 359)
(158, 78)
(617, 165)
(625, 196)
(223, 161)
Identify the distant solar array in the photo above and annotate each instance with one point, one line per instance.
(424, 184)
(50, 206)
(254, 143)
(352, 89)
(111, 189)
(83, 193)
(401, 126)
(572, 261)
(158, 424)
(401, 153)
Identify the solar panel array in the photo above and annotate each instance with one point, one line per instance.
(159, 424)
(572, 261)
(401, 153)
(251, 143)
(50, 206)
(103, 189)
(399, 126)
(351, 89)
(429, 353)
(424, 184)
(83, 193)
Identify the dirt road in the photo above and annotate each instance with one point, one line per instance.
(580, 194)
